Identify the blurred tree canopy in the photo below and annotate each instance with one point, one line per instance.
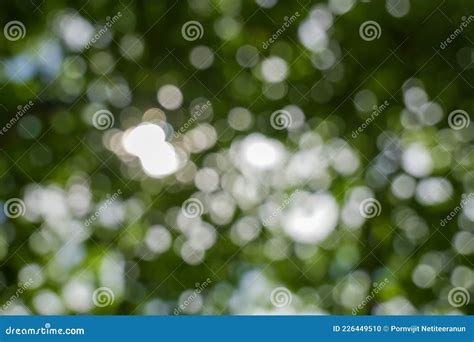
(276, 121)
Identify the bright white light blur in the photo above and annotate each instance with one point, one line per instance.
(274, 69)
(398, 8)
(468, 208)
(77, 295)
(403, 186)
(417, 161)
(434, 190)
(158, 239)
(201, 57)
(464, 243)
(395, 306)
(206, 180)
(170, 97)
(147, 142)
(311, 218)
(261, 152)
(341, 6)
(424, 276)
(312, 35)
(415, 97)
(343, 157)
(111, 214)
(75, 31)
(351, 214)
(46, 302)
